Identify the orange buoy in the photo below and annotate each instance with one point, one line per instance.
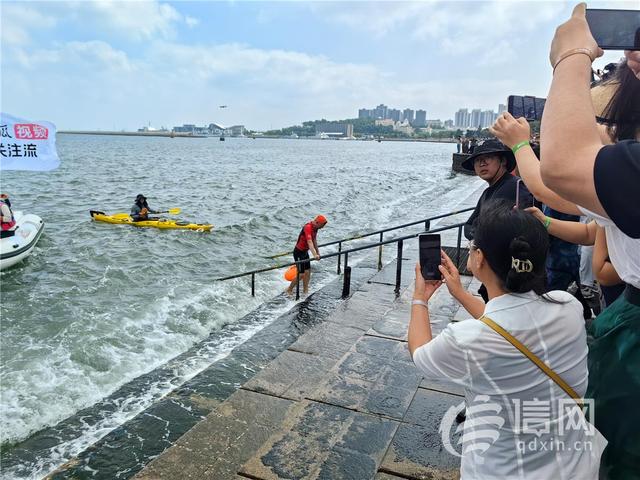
(291, 273)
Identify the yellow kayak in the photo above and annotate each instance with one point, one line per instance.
(162, 223)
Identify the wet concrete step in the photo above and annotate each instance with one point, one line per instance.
(343, 401)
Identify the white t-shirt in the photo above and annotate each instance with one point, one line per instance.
(624, 251)
(497, 378)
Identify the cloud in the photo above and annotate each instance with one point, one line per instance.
(93, 56)
(135, 19)
(109, 19)
(191, 21)
(17, 20)
(459, 28)
(173, 83)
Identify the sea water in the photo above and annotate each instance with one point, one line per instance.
(97, 305)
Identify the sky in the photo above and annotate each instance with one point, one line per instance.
(113, 65)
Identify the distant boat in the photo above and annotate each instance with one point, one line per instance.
(222, 139)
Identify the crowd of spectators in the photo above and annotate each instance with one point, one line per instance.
(527, 340)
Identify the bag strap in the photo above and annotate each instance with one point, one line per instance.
(531, 356)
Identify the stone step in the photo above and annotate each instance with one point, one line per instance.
(343, 401)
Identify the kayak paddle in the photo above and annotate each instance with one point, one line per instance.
(173, 211)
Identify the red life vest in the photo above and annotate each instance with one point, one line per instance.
(8, 225)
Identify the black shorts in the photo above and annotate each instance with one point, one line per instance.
(300, 255)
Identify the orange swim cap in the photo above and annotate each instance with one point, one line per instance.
(321, 219)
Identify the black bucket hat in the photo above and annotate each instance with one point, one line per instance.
(488, 147)
(140, 197)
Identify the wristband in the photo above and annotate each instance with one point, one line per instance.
(517, 147)
(547, 222)
(574, 51)
(420, 302)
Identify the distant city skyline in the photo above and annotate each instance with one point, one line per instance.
(417, 118)
(115, 65)
(476, 118)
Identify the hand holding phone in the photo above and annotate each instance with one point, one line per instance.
(615, 29)
(529, 107)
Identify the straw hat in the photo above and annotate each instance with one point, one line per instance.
(601, 96)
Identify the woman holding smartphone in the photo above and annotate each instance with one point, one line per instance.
(508, 256)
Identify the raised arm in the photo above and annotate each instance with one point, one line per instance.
(569, 136)
(513, 132)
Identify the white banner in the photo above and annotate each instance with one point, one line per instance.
(26, 145)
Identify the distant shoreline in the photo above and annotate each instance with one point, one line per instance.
(130, 134)
(285, 137)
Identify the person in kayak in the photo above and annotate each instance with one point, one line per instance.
(306, 241)
(140, 210)
(7, 221)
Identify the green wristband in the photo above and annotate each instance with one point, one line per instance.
(547, 222)
(519, 146)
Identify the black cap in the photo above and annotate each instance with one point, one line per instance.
(491, 146)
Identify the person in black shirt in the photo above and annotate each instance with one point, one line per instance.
(493, 162)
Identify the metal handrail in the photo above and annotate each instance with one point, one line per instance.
(347, 276)
(426, 221)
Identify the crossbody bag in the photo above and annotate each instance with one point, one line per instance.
(531, 356)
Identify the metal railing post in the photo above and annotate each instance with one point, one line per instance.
(297, 282)
(399, 267)
(253, 284)
(346, 285)
(458, 247)
(380, 253)
(427, 225)
(339, 256)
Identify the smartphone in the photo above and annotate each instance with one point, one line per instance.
(430, 256)
(518, 204)
(615, 29)
(529, 107)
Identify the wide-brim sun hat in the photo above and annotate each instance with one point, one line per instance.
(488, 147)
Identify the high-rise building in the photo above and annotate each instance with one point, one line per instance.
(421, 118)
(365, 113)
(501, 108)
(487, 118)
(380, 112)
(462, 118)
(407, 114)
(394, 114)
(476, 118)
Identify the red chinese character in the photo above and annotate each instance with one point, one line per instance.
(23, 130)
(40, 132)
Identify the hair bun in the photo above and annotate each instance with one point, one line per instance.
(520, 248)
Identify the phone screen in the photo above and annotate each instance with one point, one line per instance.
(515, 106)
(529, 107)
(615, 29)
(430, 256)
